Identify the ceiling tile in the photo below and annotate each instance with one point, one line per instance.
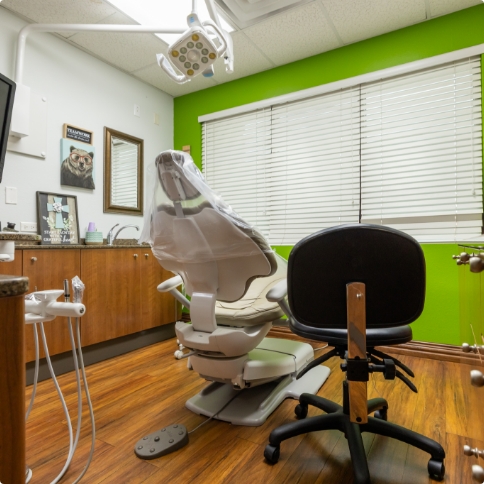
(293, 35)
(247, 60)
(357, 20)
(127, 51)
(61, 11)
(443, 7)
(156, 77)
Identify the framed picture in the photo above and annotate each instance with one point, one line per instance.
(77, 164)
(78, 134)
(57, 218)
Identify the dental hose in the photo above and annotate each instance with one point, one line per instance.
(78, 362)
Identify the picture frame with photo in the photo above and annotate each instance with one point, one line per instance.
(77, 164)
(57, 219)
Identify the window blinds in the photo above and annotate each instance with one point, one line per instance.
(235, 161)
(124, 173)
(421, 152)
(314, 166)
(410, 148)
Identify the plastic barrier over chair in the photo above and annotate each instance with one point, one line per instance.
(183, 190)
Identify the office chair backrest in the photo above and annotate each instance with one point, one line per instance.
(389, 262)
(195, 234)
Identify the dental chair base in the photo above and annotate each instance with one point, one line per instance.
(251, 407)
(248, 388)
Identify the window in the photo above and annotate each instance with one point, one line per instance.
(404, 152)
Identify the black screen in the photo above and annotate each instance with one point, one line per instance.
(7, 92)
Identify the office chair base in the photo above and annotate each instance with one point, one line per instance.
(251, 406)
(337, 419)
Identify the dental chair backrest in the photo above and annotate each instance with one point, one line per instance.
(196, 235)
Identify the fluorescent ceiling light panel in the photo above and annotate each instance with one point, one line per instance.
(165, 13)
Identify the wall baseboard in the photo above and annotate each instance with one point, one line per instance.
(419, 349)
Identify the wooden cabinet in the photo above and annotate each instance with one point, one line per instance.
(12, 268)
(47, 269)
(12, 379)
(121, 296)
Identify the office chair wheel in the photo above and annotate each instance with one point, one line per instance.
(301, 411)
(382, 414)
(272, 453)
(436, 469)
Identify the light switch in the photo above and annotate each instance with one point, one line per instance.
(11, 195)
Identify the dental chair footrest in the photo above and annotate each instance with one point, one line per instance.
(271, 359)
(252, 406)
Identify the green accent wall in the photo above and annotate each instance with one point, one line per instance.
(440, 321)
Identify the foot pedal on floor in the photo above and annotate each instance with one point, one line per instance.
(162, 442)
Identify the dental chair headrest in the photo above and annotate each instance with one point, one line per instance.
(172, 177)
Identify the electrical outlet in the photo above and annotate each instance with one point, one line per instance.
(156, 119)
(137, 111)
(28, 227)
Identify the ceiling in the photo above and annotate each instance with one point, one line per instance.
(311, 28)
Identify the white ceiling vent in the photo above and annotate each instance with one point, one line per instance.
(244, 13)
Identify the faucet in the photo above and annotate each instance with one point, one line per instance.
(111, 238)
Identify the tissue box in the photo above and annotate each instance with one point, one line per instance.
(94, 238)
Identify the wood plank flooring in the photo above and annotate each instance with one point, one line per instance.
(145, 390)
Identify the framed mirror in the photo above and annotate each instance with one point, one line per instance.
(123, 173)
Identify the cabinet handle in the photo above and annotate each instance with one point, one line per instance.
(33, 259)
(147, 255)
(135, 256)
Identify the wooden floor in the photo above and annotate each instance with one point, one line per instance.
(145, 390)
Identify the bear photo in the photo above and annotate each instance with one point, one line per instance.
(77, 164)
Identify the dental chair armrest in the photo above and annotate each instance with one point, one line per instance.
(278, 292)
(170, 285)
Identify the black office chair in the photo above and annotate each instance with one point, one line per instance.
(392, 267)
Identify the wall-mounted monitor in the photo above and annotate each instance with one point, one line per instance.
(7, 94)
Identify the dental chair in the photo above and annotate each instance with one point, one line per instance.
(227, 269)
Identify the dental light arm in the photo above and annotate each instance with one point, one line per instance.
(229, 53)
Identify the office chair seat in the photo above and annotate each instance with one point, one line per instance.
(339, 336)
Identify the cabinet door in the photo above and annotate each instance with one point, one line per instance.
(156, 308)
(112, 294)
(12, 268)
(47, 269)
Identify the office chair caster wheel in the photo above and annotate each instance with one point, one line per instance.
(301, 411)
(272, 453)
(382, 414)
(436, 469)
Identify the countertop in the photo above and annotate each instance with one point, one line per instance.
(118, 244)
(13, 285)
(17, 237)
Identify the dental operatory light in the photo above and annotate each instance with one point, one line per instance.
(206, 39)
